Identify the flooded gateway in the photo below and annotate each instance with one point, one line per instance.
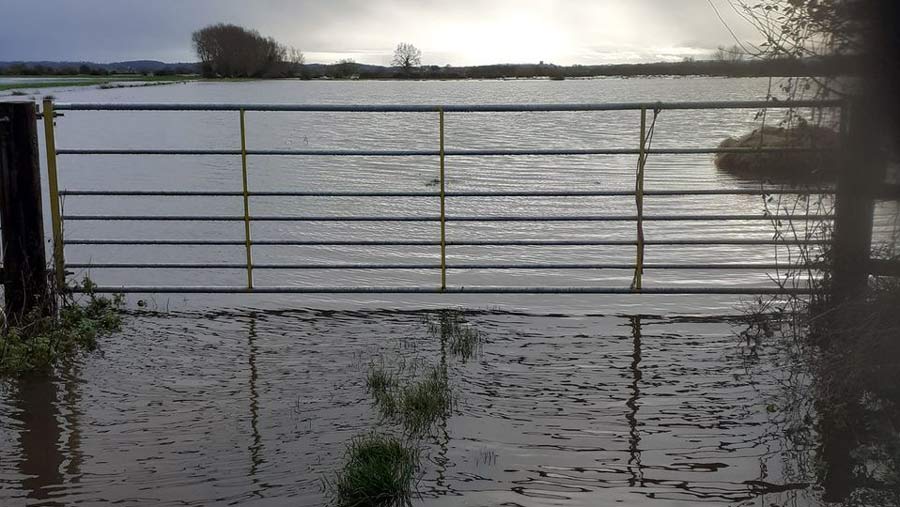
(257, 407)
(553, 400)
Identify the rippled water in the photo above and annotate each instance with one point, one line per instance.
(415, 131)
(201, 409)
(562, 407)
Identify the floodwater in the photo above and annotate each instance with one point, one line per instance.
(417, 131)
(225, 400)
(256, 408)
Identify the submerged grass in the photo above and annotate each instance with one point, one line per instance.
(380, 471)
(461, 339)
(423, 403)
(417, 405)
(38, 343)
(382, 385)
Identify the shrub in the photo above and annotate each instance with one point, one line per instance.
(795, 166)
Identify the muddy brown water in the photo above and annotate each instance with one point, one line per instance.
(563, 406)
(256, 408)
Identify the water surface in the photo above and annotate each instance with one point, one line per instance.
(256, 408)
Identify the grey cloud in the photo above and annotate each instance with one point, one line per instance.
(595, 30)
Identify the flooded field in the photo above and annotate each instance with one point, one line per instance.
(257, 408)
(561, 401)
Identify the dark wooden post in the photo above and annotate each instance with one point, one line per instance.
(25, 284)
(863, 170)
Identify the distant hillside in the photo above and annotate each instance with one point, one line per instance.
(130, 67)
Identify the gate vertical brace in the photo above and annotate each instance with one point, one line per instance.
(248, 244)
(443, 206)
(639, 202)
(59, 258)
(25, 283)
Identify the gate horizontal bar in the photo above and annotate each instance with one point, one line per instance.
(561, 218)
(456, 290)
(748, 266)
(511, 193)
(451, 108)
(435, 153)
(609, 242)
(450, 290)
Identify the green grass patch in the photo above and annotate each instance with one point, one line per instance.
(380, 470)
(461, 339)
(32, 85)
(423, 403)
(40, 343)
(382, 385)
(416, 405)
(118, 81)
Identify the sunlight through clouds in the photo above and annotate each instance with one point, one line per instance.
(461, 32)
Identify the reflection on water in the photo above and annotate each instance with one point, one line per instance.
(256, 458)
(227, 408)
(634, 460)
(40, 438)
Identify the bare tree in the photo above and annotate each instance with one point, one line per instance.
(406, 57)
(232, 51)
(734, 54)
(295, 61)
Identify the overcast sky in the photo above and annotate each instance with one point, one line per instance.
(458, 32)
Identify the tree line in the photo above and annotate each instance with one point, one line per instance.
(782, 67)
(231, 51)
(90, 69)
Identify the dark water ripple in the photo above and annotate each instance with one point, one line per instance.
(255, 408)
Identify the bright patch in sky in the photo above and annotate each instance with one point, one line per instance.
(457, 32)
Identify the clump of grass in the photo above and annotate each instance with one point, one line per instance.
(461, 339)
(37, 343)
(422, 403)
(417, 405)
(18, 93)
(380, 471)
(382, 385)
(380, 380)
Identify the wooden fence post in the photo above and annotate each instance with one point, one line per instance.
(26, 288)
(863, 169)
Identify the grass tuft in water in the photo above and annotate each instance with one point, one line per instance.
(422, 403)
(417, 405)
(382, 385)
(462, 340)
(380, 380)
(380, 471)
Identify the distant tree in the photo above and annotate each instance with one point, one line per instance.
(406, 57)
(345, 69)
(228, 50)
(733, 54)
(295, 61)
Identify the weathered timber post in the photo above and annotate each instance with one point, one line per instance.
(25, 284)
(863, 168)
